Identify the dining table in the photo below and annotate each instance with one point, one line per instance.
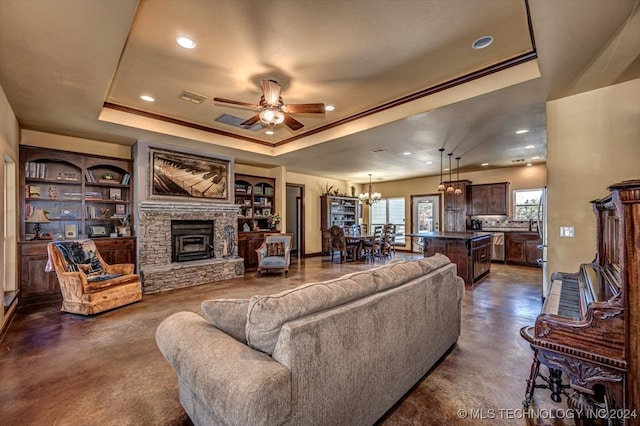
(359, 240)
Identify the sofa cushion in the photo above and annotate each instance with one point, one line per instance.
(228, 315)
(395, 274)
(434, 262)
(267, 314)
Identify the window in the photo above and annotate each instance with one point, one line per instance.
(389, 210)
(526, 203)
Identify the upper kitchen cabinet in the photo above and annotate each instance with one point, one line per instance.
(489, 199)
(455, 206)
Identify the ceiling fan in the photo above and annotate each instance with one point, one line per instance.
(273, 110)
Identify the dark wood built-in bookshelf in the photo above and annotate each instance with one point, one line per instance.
(81, 196)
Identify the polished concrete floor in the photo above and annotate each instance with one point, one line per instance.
(63, 369)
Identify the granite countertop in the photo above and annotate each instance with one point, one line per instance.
(520, 230)
(470, 235)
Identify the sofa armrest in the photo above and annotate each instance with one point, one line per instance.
(120, 268)
(237, 384)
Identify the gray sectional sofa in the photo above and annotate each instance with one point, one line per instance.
(339, 352)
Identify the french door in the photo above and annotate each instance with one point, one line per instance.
(426, 216)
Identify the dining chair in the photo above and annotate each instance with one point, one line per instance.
(373, 247)
(339, 244)
(389, 240)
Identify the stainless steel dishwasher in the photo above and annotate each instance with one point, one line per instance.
(497, 246)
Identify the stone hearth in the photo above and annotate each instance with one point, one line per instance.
(157, 270)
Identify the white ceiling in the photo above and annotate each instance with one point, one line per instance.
(78, 67)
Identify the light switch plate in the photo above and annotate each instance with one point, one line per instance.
(567, 231)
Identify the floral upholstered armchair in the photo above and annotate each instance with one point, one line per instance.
(275, 253)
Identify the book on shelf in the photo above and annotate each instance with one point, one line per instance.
(89, 176)
(93, 196)
(33, 191)
(67, 176)
(125, 179)
(72, 196)
(115, 194)
(257, 190)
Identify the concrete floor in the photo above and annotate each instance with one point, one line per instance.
(64, 369)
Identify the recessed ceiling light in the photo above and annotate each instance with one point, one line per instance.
(535, 158)
(521, 131)
(186, 42)
(484, 164)
(329, 107)
(147, 98)
(482, 42)
(529, 146)
(429, 162)
(406, 153)
(529, 164)
(269, 132)
(446, 170)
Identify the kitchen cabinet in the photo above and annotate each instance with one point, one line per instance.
(522, 248)
(455, 207)
(489, 199)
(470, 251)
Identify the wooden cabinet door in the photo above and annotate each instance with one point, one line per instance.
(514, 248)
(481, 260)
(34, 281)
(532, 252)
(498, 199)
(478, 196)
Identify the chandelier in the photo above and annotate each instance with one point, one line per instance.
(370, 197)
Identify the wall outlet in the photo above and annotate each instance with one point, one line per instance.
(567, 231)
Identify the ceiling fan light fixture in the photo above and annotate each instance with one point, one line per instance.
(271, 116)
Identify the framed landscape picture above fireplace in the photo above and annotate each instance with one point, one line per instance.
(180, 175)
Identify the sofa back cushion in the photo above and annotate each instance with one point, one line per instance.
(228, 315)
(267, 314)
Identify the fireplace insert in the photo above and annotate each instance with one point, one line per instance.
(191, 240)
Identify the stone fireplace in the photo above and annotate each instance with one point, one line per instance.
(200, 230)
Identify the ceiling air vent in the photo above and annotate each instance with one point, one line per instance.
(518, 160)
(377, 150)
(194, 98)
(234, 121)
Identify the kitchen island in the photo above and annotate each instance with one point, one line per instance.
(470, 251)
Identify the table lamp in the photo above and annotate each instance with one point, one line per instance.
(38, 216)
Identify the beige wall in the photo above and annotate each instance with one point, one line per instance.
(68, 143)
(593, 140)
(9, 140)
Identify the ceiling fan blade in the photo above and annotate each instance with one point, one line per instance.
(271, 91)
(304, 108)
(292, 122)
(232, 102)
(251, 120)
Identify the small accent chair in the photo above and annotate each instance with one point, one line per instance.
(275, 253)
(89, 285)
(339, 244)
